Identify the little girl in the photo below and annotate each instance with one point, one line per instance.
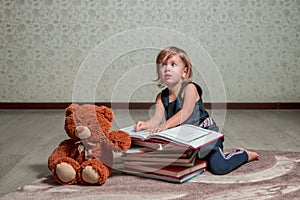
(181, 101)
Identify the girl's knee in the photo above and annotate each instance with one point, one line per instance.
(219, 169)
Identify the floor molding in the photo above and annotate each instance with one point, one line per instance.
(147, 105)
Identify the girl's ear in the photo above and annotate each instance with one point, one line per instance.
(185, 71)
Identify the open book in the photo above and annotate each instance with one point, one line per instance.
(186, 135)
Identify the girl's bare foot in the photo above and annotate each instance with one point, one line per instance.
(252, 155)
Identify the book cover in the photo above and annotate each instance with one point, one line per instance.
(151, 145)
(161, 155)
(173, 171)
(172, 153)
(186, 135)
(161, 160)
(162, 164)
(180, 180)
(157, 146)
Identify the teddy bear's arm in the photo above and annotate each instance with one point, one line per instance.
(120, 139)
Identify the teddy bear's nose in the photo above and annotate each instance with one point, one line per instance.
(82, 132)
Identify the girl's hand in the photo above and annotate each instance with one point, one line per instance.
(157, 129)
(139, 125)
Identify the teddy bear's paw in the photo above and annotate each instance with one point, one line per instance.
(94, 172)
(90, 175)
(65, 172)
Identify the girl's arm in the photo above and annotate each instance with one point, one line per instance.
(156, 119)
(190, 96)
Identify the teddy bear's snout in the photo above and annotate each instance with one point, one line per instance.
(82, 132)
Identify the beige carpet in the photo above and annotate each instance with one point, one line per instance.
(275, 176)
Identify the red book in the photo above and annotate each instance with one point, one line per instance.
(180, 180)
(172, 171)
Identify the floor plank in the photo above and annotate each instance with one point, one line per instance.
(27, 137)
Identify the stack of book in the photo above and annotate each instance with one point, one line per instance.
(169, 155)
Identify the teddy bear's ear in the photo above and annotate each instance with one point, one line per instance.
(106, 112)
(71, 108)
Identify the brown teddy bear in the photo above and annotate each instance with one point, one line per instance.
(87, 156)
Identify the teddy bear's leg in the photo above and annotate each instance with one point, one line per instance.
(94, 172)
(66, 171)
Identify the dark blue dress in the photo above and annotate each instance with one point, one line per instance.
(218, 162)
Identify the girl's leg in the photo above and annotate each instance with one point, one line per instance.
(252, 155)
(219, 163)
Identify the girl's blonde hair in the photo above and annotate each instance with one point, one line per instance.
(167, 53)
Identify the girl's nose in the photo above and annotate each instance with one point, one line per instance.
(167, 68)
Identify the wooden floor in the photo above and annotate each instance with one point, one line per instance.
(29, 136)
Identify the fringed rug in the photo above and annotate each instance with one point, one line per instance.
(276, 175)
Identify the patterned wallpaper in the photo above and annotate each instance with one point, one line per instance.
(56, 50)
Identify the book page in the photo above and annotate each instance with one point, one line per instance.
(185, 133)
(136, 134)
(189, 135)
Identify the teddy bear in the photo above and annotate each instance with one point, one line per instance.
(87, 156)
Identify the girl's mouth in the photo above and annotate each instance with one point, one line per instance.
(167, 76)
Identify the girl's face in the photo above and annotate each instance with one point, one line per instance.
(172, 70)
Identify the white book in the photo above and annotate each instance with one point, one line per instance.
(186, 135)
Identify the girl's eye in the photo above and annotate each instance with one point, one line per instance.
(163, 65)
(174, 65)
